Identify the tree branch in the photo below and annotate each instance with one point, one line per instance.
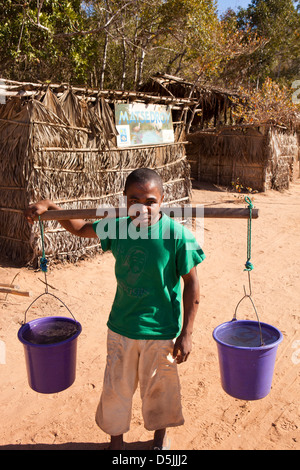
(95, 30)
(39, 8)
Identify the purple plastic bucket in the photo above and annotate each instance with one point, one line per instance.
(50, 347)
(246, 366)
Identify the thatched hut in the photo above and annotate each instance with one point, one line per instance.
(223, 151)
(257, 159)
(60, 143)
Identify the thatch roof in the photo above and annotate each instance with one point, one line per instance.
(217, 107)
(25, 89)
(207, 103)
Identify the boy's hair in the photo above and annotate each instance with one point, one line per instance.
(142, 176)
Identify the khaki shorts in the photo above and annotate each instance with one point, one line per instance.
(149, 363)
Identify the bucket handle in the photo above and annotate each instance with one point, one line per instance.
(253, 305)
(47, 293)
(44, 268)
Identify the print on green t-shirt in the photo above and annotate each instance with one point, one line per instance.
(149, 263)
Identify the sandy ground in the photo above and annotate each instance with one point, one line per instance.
(213, 419)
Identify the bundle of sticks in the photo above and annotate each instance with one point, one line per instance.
(13, 289)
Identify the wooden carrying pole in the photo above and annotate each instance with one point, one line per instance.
(194, 212)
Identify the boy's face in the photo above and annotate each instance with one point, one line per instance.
(143, 203)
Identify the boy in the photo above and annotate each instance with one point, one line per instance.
(152, 253)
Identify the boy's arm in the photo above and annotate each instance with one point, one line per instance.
(78, 227)
(191, 297)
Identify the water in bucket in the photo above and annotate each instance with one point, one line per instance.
(51, 331)
(247, 335)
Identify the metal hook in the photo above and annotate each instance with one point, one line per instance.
(52, 295)
(250, 287)
(253, 305)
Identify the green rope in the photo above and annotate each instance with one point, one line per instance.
(43, 260)
(248, 265)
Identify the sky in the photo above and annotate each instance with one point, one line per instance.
(223, 5)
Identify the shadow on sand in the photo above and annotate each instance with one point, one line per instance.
(132, 446)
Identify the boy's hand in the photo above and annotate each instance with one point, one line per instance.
(78, 227)
(34, 210)
(182, 347)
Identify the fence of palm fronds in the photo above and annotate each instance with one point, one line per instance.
(56, 144)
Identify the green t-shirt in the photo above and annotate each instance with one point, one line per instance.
(149, 264)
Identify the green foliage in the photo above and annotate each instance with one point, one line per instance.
(278, 21)
(121, 43)
(271, 104)
(29, 48)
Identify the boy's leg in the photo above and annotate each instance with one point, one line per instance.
(160, 387)
(160, 438)
(120, 381)
(116, 442)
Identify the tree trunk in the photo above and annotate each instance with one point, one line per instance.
(102, 76)
(124, 65)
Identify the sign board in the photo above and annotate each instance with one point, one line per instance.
(141, 124)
